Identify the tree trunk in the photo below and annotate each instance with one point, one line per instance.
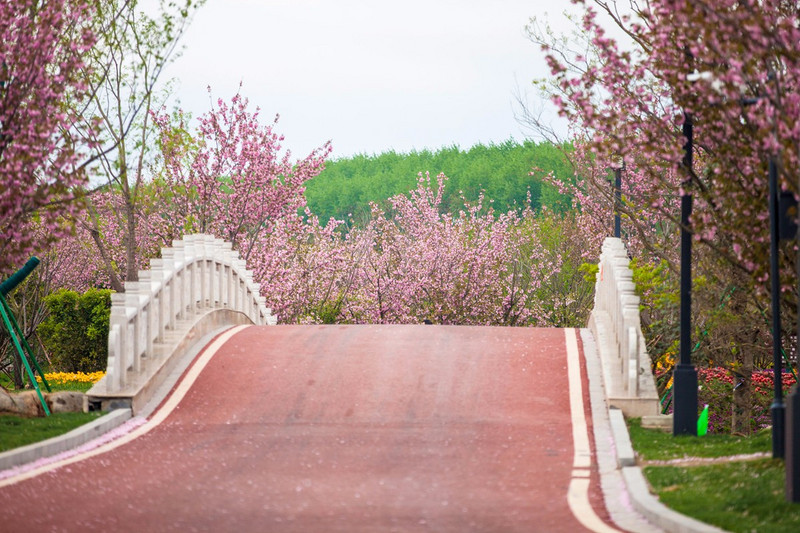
(116, 283)
(742, 419)
(132, 266)
(17, 366)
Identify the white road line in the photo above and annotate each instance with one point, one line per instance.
(580, 432)
(578, 492)
(168, 406)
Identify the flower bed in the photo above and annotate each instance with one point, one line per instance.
(716, 389)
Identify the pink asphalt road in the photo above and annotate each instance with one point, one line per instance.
(338, 428)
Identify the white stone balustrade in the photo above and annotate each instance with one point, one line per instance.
(194, 278)
(617, 329)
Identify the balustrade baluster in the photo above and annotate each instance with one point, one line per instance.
(227, 259)
(147, 289)
(194, 276)
(170, 297)
(113, 373)
(157, 277)
(138, 319)
(178, 281)
(119, 319)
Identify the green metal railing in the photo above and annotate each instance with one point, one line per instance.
(15, 332)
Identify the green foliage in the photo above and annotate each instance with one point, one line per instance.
(567, 295)
(728, 340)
(344, 189)
(657, 289)
(589, 271)
(653, 282)
(79, 386)
(329, 312)
(76, 330)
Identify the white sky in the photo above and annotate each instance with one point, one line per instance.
(368, 75)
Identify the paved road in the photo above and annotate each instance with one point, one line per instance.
(339, 428)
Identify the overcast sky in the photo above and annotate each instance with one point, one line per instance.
(368, 75)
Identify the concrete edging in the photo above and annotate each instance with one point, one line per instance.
(62, 443)
(657, 512)
(625, 453)
(644, 502)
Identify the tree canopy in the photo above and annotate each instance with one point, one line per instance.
(42, 59)
(501, 171)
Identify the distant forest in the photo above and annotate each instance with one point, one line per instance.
(344, 189)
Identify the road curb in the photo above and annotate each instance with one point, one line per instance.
(625, 454)
(87, 432)
(657, 512)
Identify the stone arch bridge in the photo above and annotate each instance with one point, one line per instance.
(228, 422)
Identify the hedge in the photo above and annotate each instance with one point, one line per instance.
(75, 333)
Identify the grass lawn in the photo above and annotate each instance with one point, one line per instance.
(735, 495)
(16, 431)
(652, 444)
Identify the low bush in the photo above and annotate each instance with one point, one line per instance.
(716, 390)
(75, 333)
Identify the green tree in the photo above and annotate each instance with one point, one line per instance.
(133, 49)
(501, 171)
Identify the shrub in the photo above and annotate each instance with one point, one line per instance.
(76, 329)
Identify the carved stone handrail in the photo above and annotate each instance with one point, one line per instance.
(195, 278)
(617, 329)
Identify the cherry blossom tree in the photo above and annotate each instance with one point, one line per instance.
(450, 268)
(732, 68)
(414, 262)
(43, 44)
(233, 178)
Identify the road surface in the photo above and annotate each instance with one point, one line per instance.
(344, 428)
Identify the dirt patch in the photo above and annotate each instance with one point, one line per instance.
(699, 461)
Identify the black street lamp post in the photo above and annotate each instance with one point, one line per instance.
(684, 387)
(617, 200)
(777, 409)
(792, 420)
(781, 226)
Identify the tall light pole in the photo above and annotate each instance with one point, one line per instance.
(776, 218)
(777, 409)
(792, 429)
(684, 385)
(618, 199)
